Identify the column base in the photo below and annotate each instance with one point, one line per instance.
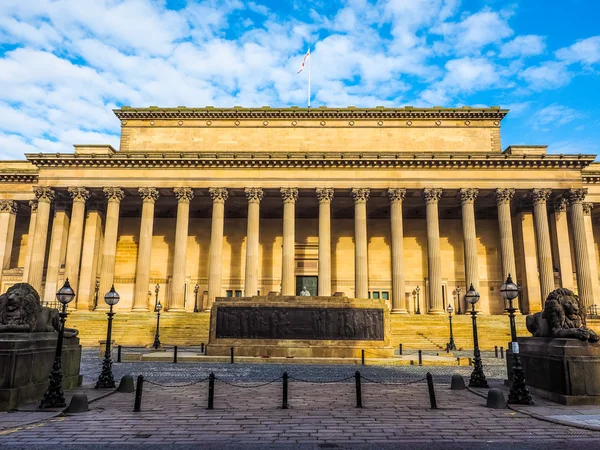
(399, 311)
(436, 312)
(140, 308)
(176, 309)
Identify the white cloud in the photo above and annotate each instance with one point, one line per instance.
(553, 115)
(585, 52)
(523, 46)
(548, 75)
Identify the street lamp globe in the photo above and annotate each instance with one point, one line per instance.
(509, 290)
(65, 294)
(472, 296)
(112, 297)
(158, 307)
(450, 309)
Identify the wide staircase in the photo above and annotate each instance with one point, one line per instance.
(191, 329)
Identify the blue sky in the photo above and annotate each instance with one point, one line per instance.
(64, 64)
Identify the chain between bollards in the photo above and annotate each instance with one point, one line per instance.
(420, 357)
(138, 394)
(119, 354)
(431, 391)
(211, 390)
(284, 403)
(175, 355)
(358, 390)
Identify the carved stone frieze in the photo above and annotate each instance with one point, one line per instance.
(9, 206)
(148, 194)
(560, 204)
(468, 195)
(289, 194)
(396, 194)
(504, 195)
(218, 194)
(577, 195)
(79, 194)
(114, 194)
(360, 194)
(254, 194)
(44, 194)
(183, 194)
(432, 195)
(540, 195)
(324, 194)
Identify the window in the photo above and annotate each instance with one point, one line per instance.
(238, 293)
(375, 295)
(385, 295)
(229, 293)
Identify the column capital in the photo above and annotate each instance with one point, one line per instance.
(218, 194)
(289, 195)
(504, 195)
(468, 195)
(44, 194)
(540, 195)
(9, 206)
(183, 194)
(79, 194)
(33, 204)
(432, 195)
(324, 194)
(149, 195)
(254, 195)
(587, 208)
(577, 195)
(114, 194)
(360, 195)
(396, 194)
(560, 204)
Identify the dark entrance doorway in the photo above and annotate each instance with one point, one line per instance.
(311, 284)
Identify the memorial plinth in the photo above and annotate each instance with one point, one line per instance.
(564, 371)
(286, 326)
(26, 361)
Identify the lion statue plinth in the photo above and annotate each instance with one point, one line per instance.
(22, 312)
(562, 317)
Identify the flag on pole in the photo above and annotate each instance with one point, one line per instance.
(306, 57)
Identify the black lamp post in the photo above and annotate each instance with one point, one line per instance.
(96, 289)
(196, 289)
(417, 290)
(451, 345)
(54, 396)
(477, 376)
(156, 291)
(106, 380)
(156, 342)
(458, 311)
(519, 394)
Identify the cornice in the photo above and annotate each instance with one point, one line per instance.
(312, 160)
(591, 177)
(129, 113)
(18, 177)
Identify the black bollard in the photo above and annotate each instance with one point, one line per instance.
(175, 355)
(138, 394)
(362, 356)
(211, 390)
(284, 403)
(501, 352)
(231, 355)
(119, 353)
(447, 348)
(420, 358)
(431, 391)
(496, 350)
(358, 390)
(400, 349)
(202, 348)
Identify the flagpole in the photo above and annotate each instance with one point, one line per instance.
(309, 77)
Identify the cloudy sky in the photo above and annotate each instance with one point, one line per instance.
(64, 64)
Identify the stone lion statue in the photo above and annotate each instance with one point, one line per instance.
(561, 318)
(21, 312)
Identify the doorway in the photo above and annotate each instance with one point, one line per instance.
(310, 282)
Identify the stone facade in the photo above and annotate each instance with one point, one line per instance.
(363, 202)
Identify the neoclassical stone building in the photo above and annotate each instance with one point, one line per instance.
(371, 203)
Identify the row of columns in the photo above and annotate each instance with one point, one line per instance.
(38, 228)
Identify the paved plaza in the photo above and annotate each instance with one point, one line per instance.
(322, 411)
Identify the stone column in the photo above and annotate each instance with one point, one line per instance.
(561, 228)
(8, 215)
(74, 242)
(219, 196)
(325, 195)
(45, 196)
(142, 272)
(434, 259)
(288, 282)
(542, 234)
(507, 246)
(361, 266)
(589, 230)
(33, 204)
(58, 244)
(582, 261)
(467, 200)
(89, 264)
(396, 196)
(109, 247)
(184, 197)
(254, 196)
